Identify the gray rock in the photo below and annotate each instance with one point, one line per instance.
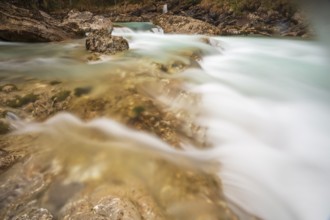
(35, 214)
(101, 41)
(18, 24)
(184, 25)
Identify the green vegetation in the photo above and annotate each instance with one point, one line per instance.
(80, 91)
(55, 82)
(61, 96)
(19, 101)
(4, 128)
(138, 111)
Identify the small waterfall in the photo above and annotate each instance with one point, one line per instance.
(123, 28)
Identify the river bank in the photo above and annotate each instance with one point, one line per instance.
(264, 18)
(279, 18)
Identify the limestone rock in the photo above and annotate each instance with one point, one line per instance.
(35, 214)
(86, 21)
(184, 25)
(18, 24)
(101, 41)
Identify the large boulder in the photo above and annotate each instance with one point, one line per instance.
(184, 25)
(102, 41)
(86, 21)
(18, 24)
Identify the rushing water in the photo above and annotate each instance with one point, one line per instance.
(264, 102)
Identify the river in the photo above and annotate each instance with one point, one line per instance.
(264, 105)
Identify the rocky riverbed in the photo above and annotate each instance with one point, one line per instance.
(46, 177)
(120, 194)
(38, 174)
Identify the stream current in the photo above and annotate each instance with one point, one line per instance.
(264, 103)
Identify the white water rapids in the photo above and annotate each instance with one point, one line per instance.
(267, 109)
(266, 105)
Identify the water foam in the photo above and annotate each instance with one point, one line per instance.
(269, 125)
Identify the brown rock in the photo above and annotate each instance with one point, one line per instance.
(184, 25)
(101, 41)
(35, 213)
(18, 24)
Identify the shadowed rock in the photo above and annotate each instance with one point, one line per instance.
(18, 24)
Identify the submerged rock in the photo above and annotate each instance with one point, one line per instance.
(80, 91)
(4, 127)
(18, 24)
(185, 25)
(7, 88)
(109, 207)
(103, 42)
(34, 214)
(19, 101)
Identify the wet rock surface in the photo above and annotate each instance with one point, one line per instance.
(103, 42)
(18, 24)
(46, 178)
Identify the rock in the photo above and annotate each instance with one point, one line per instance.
(61, 96)
(117, 208)
(102, 41)
(3, 113)
(86, 21)
(4, 127)
(80, 91)
(34, 214)
(20, 101)
(8, 88)
(184, 25)
(7, 159)
(109, 207)
(54, 82)
(129, 18)
(18, 24)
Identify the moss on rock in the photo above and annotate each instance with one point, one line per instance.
(61, 96)
(4, 128)
(19, 101)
